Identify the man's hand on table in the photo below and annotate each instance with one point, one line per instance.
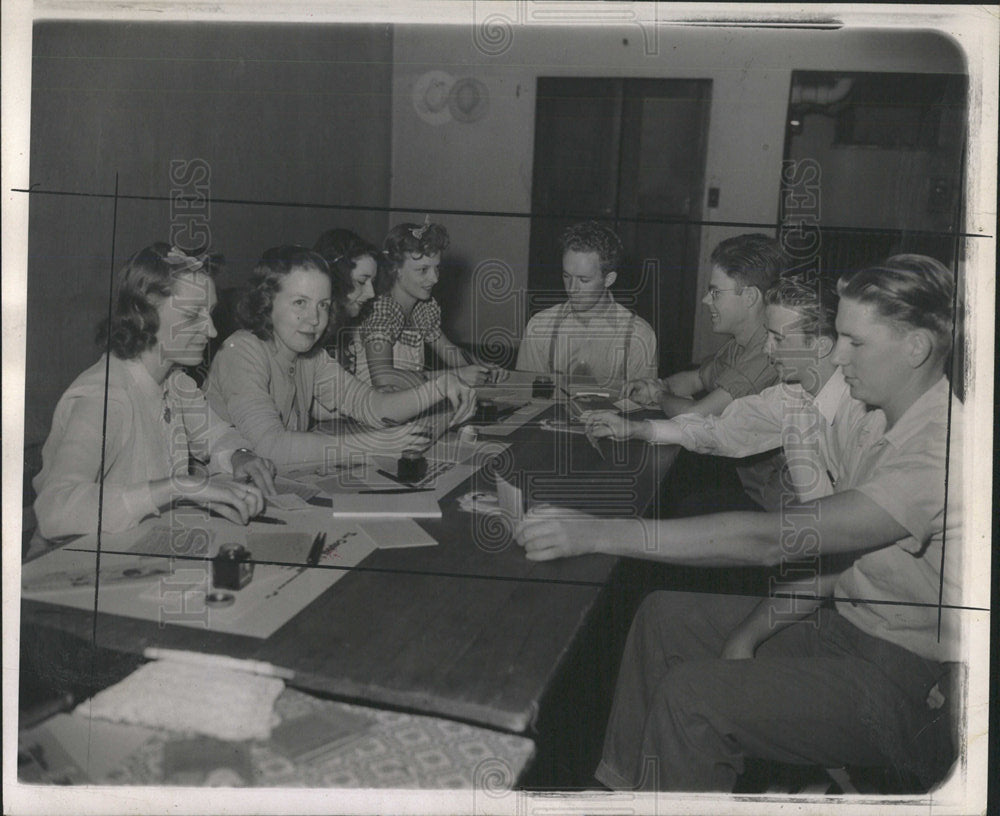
(549, 532)
(610, 423)
(647, 392)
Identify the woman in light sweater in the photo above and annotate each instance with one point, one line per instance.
(273, 377)
(125, 432)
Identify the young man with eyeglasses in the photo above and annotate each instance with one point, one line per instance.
(807, 413)
(866, 680)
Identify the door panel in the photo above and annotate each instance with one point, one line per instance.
(629, 153)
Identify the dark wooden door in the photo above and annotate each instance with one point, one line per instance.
(629, 153)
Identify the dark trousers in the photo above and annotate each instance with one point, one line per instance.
(818, 692)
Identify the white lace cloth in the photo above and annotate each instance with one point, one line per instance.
(183, 696)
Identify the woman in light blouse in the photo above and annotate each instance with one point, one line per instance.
(125, 432)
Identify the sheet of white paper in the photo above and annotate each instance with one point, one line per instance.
(286, 486)
(509, 424)
(391, 505)
(511, 500)
(626, 405)
(276, 594)
(395, 534)
(290, 501)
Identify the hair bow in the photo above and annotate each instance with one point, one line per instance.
(183, 262)
(418, 232)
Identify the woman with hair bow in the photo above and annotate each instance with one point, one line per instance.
(125, 432)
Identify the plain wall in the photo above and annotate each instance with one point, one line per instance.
(290, 114)
(487, 164)
(302, 115)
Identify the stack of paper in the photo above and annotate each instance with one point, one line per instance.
(377, 504)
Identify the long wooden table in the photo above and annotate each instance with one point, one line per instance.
(469, 630)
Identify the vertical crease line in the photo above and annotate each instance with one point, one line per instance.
(104, 419)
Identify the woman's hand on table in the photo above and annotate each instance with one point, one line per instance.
(251, 468)
(548, 532)
(233, 500)
(495, 374)
(474, 374)
(461, 396)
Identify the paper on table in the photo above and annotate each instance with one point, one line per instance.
(511, 423)
(392, 534)
(278, 591)
(290, 501)
(443, 475)
(627, 405)
(374, 505)
(286, 486)
(173, 539)
(511, 499)
(280, 547)
(515, 380)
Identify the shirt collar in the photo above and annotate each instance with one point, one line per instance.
(756, 339)
(144, 380)
(930, 406)
(831, 395)
(604, 309)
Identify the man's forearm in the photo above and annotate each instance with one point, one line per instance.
(721, 540)
(672, 405)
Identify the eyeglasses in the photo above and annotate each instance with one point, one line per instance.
(714, 291)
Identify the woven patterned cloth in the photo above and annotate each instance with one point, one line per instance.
(392, 750)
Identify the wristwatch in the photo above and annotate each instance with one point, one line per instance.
(248, 478)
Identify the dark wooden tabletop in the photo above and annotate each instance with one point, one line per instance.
(469, 629)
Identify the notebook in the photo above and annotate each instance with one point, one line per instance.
(386, 505)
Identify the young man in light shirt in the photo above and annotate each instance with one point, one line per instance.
(861, 683)
(589, 335)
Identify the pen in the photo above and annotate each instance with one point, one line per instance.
(218, 661)
(316, 552)
(216, 514)
(391, 490)
(596, 446)
(388, 475)
(267, 520)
